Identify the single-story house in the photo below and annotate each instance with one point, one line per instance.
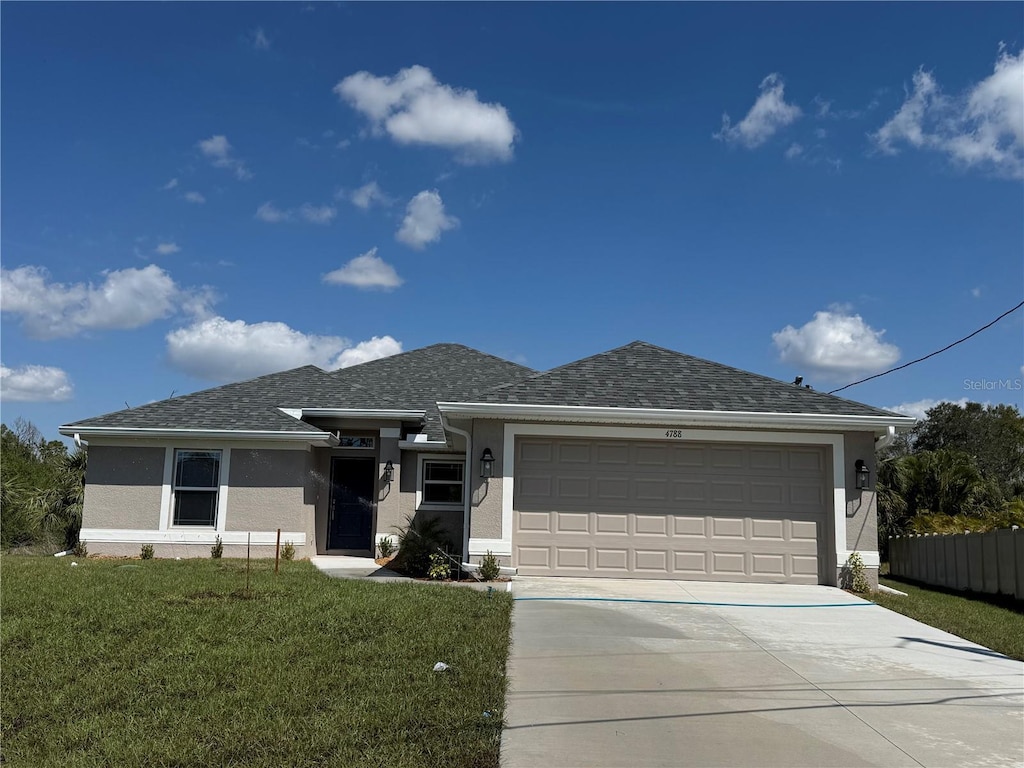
(640, 462)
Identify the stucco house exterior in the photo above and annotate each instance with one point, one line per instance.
(639, 462)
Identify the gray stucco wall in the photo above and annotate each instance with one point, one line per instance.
(861, 506)
(485, 514)
(123, 487)
(267, 491)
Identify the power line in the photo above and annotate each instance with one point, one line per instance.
(933, 354)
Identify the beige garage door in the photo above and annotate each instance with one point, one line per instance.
(682, 510)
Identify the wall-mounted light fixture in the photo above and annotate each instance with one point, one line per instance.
(389, 472)
(863, 475)
(487, 463)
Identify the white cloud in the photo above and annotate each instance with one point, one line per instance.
(425, 220)
(976, 293)
(166, 249)
(367, 195)
(769, 114)
(315, 214)
(918, 408)
(365, 351)
(794, 151)
(343, 144)
(221, 350)
(127, 298)
(982, 128)
(195, 197)
(259, 40)
(412, 107)
(367, 271)
(171, 184)
(218, 150)
(271, 214)
(835, 344)
(34, 384)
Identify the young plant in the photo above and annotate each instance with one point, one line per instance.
(217, 550)
(440, 567)
(386, 547)
(288, 551)
(420, 538)
(854, 576)
(147, 552)
(489, 568)
(80, 550)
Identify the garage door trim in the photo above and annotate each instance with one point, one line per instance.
(503, 546)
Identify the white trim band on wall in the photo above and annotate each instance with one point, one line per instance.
(178, 536)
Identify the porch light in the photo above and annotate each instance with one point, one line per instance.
(487, 463)
(389, 472)
(863, 475)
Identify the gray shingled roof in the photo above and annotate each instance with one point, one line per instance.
(424, 377)
(641, 375)
(413, 380)
(638, 375)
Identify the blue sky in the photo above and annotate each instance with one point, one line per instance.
(195, 193)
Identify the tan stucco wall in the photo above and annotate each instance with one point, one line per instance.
(485, 514)
(123, 487)
(267, 490)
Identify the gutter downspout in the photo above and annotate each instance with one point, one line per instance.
(79, 442)
(467, 491)
(886, 439)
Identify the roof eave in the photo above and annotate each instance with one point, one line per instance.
(402, 414)
(671, 416)
(78, 431)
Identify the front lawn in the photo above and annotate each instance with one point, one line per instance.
(165, 662)
(994, 622)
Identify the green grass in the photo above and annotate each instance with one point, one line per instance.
(995, 622)
(166, 662)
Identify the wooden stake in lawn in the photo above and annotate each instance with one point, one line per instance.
(248, 542)
(277, 550)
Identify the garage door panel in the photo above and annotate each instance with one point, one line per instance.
(651, 525)
(572, 522)
(698, 511)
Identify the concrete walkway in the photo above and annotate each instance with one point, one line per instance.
(771, 676)
(341, 567)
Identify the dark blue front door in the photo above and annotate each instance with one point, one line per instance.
(353, 490)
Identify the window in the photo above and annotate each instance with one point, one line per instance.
(442, 482)
(349, 441)
(196, 480)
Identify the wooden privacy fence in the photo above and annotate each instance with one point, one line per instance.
(990, 562)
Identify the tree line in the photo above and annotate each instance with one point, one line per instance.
(960, 468)
(42, 486)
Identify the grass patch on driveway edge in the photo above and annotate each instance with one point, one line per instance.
(992, 621)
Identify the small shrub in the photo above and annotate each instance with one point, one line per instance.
(147, 552)
(80, 550)
(288, 551)
(217, 550)
(386, 547)
(417, 541)
(854, 577)
(440, 567)
(489, 568)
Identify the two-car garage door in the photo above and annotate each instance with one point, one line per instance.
(666, 509)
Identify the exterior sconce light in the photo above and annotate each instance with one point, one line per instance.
(389, 472)
(487, 463)
(863, 475)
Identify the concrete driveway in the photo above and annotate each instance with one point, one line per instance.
(773, 676)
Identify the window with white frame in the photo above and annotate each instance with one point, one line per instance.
(196, 483)
(442, 481)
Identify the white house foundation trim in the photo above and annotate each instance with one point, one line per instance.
(179, 536)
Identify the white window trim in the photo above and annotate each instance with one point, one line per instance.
(503, 545)
(167, 491)
(453, 458)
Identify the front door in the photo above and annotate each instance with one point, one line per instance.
(353, 490)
